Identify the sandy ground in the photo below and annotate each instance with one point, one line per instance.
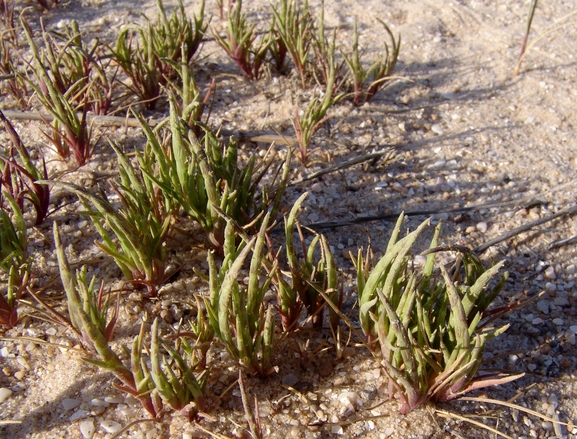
(464, 132)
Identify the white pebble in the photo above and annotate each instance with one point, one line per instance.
(5, 353)
(337, 429)
(317, 187)
(558, 322)
(69, 403)
(22, 361)
(573, 329)
(571, 269)
(550, 273)
(420, 260)
(570, 337)
(110, 426)
(352, 398)
(113, 399)
(87, 428)
(99, 403)
(550, 286)
(438, 164)
(389, 431)
(437, 129)
(482, 227)
(186, 435)
(5, 393)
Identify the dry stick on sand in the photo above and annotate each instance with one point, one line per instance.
(524, 203)
(567, 211)
(131, 122)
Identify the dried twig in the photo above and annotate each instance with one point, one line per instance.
(526, 203)
(563, 242)
(346, 164)
(567, 211)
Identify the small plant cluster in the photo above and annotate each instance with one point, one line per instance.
(74, 81)
(428, 328)
(293, 32)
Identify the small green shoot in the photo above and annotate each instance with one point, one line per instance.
(89, 318)
(201, 175)
(367, 83)
(294, 27)
(174, 378)
(14, 260)
(241, 43)
(15, 86)
(309, 275)
(140, 224)
(70, 131)
(137, 60)
(20, 178)
(177, 38)
(237, 313)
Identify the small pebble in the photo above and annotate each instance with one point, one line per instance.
(152, 433)
(550, 286)
(482, 227)
(550, 273)
(79, 414)
(99, 403)
(69, 404)
(317, 187)
(561, 301)
(313, 217)
(5, 393)
(558, 322)
(543, 306)
(337, 429)
(110, 426)
(571, 269)
(22, 361)
(87, 428)
(537, 321)
(290, 380)
(437, 129)
(545, 349)
(348, 352)
(438, 164)
(352, 398)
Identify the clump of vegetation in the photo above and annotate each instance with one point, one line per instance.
(428, 327)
